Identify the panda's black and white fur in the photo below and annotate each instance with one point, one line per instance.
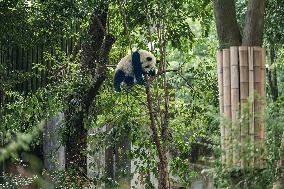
(132, 67)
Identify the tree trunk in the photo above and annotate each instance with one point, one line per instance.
(253, 31)
(164, 180)
(226, 23)
(94, 57)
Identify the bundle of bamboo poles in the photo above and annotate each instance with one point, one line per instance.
(241, 81)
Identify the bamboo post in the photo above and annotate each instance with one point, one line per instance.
(17, 58)
(227, 103)
(21, 69)
(221, 100)
(251, 106)
(244, 93)
(33, 70)
(14, 64)
(263, 95)
(38, 79)
(257, 58)
(24, 63)
(29, 68)
(235, 101)
(44, 63)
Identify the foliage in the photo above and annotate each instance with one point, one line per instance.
(41, 22)
(274, 22)
(190, 42)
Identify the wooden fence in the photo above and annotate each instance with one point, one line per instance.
(30, 69)
(241, 81)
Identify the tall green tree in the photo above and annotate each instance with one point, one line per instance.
(94, 58)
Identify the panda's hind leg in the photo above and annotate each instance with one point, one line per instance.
(118, 79)
(129, 81)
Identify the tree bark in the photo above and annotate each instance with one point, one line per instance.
(164, 180)
(95, 53)
(226, 22)
(254, 24)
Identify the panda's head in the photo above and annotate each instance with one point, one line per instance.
(148, 62)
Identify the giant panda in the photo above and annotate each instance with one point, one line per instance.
(132, 67)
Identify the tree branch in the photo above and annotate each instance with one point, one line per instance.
(253, 30)
(101, 71)
(226, 23)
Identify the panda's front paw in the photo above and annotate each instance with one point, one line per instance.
(117, 90)
(140, 82)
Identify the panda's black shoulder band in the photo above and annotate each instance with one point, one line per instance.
(137, 67)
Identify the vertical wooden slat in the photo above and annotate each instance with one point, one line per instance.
(24, 69)
(70, 45)
(9, 59)
(48, 66)
(64, 45)
(34, 52)
(29, 69)
(1, 88)
(244, 93)
(251, 108)
(1, 53)
(43, 72)
(221, 100)
(227, 103)
(257, 58)
(16, 67)
(40, 61)
(263, 95)
(235, 101)
(14, 62)
(51, 65)
(38, 79)
(263, 91)
(22, 81)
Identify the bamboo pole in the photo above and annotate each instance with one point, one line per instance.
(257, 58)
(227, 103)
(235, 101)
(21, 62)
(24, 68)
(1, 88)
(244, 93)
(251, 106)
(257, 103)
(34, 52)
(263, 100)
(14, 63)
(38, 79)
(44, 63)
(221, 101)
(1, 53)
(29, 68)
(40, 61)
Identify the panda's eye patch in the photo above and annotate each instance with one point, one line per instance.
(149, 58)
(147, 66)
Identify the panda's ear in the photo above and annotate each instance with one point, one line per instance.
(149, 58)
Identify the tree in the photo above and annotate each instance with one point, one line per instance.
(274, 39)
(94, 57)
(228, 30)
(231, 33)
